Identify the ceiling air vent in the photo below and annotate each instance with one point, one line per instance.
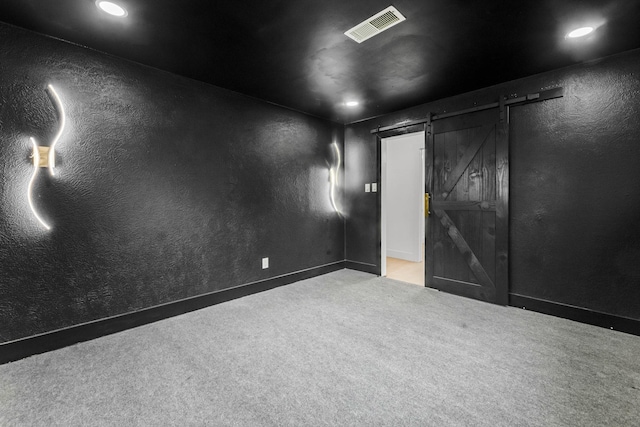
(376, 24)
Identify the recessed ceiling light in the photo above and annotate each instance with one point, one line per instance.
(580, 32)
(351, 103)
(112, 8)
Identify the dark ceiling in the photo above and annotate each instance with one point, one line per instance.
(294, 52)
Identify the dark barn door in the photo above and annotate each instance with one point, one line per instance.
(467, 176)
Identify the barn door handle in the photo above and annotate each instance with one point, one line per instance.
(427, 197)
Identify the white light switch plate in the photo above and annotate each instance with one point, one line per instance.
(374, 187)
(265, 263)
(367, 188)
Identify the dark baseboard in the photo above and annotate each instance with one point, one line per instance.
(362, 266)
(25, 347)
(579, 314)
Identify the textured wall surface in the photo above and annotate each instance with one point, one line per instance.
(575, 235)
(166, 188)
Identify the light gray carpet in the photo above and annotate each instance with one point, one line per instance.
(342, 349)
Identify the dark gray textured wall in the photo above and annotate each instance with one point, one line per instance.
(575, 235)
(166, 188)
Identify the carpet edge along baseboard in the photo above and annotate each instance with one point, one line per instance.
(48, 341)
(362, 266)
(578, 314)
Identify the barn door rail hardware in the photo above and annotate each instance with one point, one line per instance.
(544, 95)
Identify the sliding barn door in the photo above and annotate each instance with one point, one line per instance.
(467, 177)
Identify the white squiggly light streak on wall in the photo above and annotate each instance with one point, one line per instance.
(63, 121)
(36, 167)
(333, 178)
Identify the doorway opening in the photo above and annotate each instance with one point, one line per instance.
(402, 207)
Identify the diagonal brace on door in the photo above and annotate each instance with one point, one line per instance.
(472, 261)
(466, 159)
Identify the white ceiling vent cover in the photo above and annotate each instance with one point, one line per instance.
(376, 24)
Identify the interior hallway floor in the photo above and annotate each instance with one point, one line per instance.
(405, 271)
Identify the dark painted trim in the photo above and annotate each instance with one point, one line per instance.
(400, 125)
(25, 347)
(363, 266)
(579, 314)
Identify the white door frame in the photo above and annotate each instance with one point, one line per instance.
(383, 208)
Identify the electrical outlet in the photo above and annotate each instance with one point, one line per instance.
(265, 263)
(374, 187)
(367, 188)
